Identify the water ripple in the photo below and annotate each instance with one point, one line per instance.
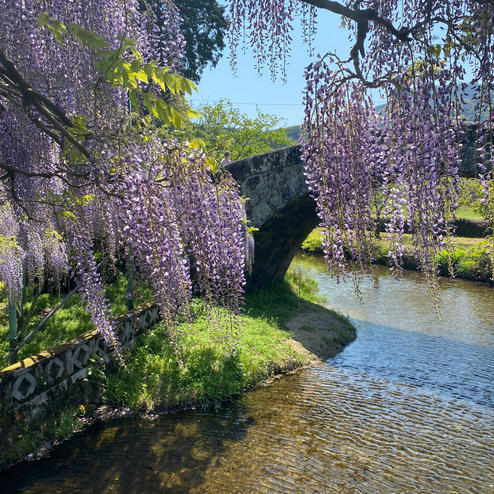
(407, 408)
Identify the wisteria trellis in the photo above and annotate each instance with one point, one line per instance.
(148, 197)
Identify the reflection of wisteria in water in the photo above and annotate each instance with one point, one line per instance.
(397, 411)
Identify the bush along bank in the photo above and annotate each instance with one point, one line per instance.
(471, 259)
(271, 340)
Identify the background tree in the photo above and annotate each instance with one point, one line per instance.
(202, 27)
(222, 127)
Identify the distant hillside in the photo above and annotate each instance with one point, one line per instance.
(293, 133)
(469, 115)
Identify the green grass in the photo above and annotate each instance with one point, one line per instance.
(209, 373)
(463, 243)
(313, 242)
(282, 300)
(70, 321)
(471, 257)
(205, 372)
(468, 212)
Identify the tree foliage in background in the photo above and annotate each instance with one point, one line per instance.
(224, 128)
(471, 195)
(202, 26)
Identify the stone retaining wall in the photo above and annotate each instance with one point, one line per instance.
(28, 387)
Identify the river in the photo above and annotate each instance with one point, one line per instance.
(406, 408)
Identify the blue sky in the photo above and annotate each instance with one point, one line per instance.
(247, 91)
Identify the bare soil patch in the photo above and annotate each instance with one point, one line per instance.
(319, 334)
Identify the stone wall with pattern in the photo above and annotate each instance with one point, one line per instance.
(30, 385)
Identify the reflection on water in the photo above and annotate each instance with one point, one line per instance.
(444, 366)
(466, 307)
(406, 408)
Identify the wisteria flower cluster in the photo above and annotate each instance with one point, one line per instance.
(119, 184)
(415, 54)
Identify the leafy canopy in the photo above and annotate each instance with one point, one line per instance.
(224, 128)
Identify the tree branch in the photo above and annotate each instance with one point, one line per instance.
(52, 113)
(361, 16)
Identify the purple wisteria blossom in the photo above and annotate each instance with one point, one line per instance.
(139, 195)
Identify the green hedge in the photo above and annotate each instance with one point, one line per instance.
(474, 263)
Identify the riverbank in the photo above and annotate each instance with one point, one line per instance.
(283, 328)
(471, 258)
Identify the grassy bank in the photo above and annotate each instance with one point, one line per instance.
(471, 257)
(209, 373)
(283, 327)
(70, 321)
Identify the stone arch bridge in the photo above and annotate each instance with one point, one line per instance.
(280, 207)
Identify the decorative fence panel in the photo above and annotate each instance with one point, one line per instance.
(30, 385)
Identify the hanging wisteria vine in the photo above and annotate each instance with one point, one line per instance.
(84, 161)
(416, 54)
(80, 170)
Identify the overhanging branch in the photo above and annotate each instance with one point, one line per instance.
(54, 116)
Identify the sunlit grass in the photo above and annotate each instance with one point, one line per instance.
(468, 212)
(70, 321)
(471, 257)
(463, 243)
(209, 371)
(313, 242)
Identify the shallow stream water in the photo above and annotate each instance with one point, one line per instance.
(407, 408)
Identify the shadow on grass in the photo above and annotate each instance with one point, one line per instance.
(279, 301)
(320, 331)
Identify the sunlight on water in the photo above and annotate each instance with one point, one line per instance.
(407, 408)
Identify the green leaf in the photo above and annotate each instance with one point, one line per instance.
(163, 111)
(197, 144)
(149, 69)
(142, 76)
(135, 65)
(103, 65)
(58, 30)
(79, 127)
(69, 214)
(192, 113)
(176, 118)
(43, 19)
(150, 106)
(88, 38)
(133, 100)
